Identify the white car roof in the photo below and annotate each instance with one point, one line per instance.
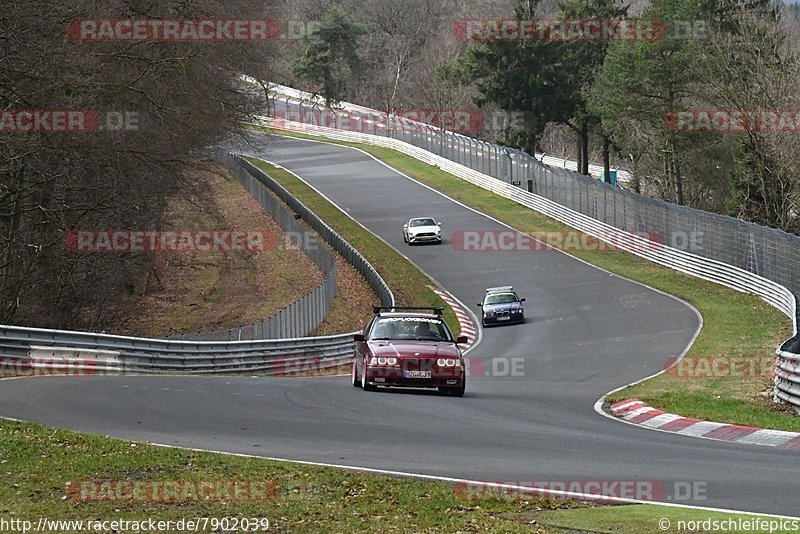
(500, 289)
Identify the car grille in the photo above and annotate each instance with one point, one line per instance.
(425, 234)
(417, 364)
(420, 382)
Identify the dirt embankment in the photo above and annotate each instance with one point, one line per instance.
(199, 291)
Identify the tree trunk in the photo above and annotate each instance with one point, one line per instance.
(11, 283)
(585, 148)
(677, 178)
(606, 161)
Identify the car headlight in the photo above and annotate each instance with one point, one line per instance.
(446, 362)
(383, 361)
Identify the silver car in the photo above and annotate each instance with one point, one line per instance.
(422, 230)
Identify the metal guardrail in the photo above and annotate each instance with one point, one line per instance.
(28, 351)
(622, 234)
(787, 373)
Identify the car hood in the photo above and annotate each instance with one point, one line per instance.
(422, 229)
(413, 349)
(506, 306)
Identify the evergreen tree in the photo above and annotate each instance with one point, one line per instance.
(330, 58)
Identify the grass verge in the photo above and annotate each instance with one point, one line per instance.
(736, 325)
(46, 473)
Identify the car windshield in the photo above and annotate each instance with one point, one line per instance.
(501, 298)
(422, 222)
(416, 328)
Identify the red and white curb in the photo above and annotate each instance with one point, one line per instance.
(468, 328)
(637, 412)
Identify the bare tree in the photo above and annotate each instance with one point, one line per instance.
(184, 96)
(757, 69)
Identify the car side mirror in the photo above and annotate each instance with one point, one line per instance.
(480, 305)
(462, 339)
(522, 299)
(358, 337)
(405, 225)
(438, 224)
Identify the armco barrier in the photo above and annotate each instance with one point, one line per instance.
(787, 373)
(787, 380)
(28, 351)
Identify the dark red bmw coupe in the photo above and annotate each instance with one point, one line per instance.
(409, 347)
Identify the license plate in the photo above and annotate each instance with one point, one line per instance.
(505, 318)
(416, 374)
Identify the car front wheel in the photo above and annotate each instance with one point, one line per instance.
(453, 392)
(459, 391)
(356, 381)
(364, 385)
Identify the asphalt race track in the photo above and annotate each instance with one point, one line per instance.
(587, 332)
